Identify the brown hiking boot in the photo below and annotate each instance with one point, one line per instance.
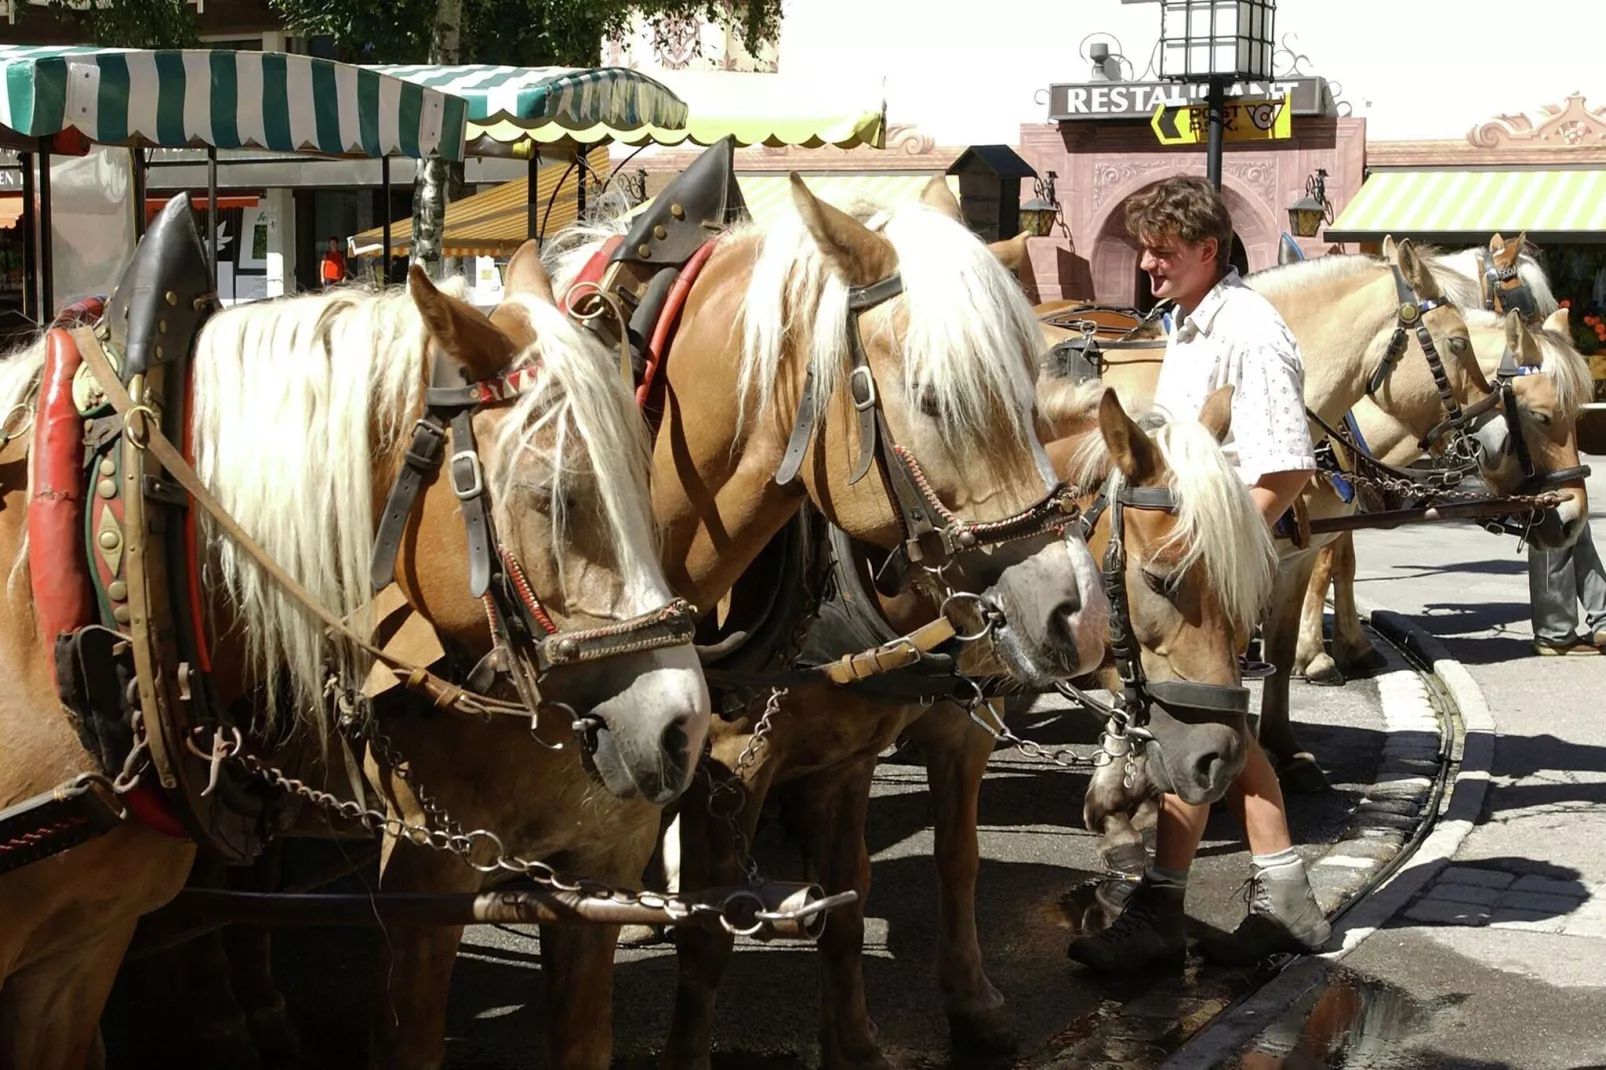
(1148, 932)
(1283, 918)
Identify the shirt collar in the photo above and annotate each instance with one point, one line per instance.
(1200, 319)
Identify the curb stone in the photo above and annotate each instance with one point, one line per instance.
(1473, 750)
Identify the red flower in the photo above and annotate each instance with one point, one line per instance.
(1565, 303)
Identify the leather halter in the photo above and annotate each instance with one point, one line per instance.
(512, 609)
(932, 535)
(1411, 318)
(1533, 480)
(1183, 699)
(1504, 288)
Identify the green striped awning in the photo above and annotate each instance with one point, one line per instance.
(227, 100)
(513, 107)
(1467, 206)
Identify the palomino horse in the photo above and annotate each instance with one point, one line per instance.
(301, 449)
(808, 322)
(1346, 313)
(1547, 408)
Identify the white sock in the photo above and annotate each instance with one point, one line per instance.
(1284, 865)
(1161, 877)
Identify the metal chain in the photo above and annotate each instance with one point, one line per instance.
(1113, 745)
(1436, 485)
(734, 789)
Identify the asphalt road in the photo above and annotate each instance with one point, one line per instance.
(1034, 850)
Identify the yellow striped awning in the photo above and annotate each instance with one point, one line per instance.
(1468, 206)
(495, 222)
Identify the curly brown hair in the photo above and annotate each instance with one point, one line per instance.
(1187, 206)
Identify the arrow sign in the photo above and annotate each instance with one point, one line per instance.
(1243, 120)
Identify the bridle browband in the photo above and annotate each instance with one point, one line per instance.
(1184, 699)
(933, 536)
(526, 642)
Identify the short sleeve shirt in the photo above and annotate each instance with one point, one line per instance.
(1237, 338)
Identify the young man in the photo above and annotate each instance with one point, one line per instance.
(1223, 333)
(334, 264)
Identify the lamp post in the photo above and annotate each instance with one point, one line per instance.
(1038, 215)
(1216, 43)
(1306, 215)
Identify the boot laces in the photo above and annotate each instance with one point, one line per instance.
(1256, 895)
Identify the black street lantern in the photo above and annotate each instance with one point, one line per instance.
(1039, 215)
(1306, 215)
(1202, 40)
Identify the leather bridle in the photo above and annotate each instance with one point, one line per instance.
(1459, 446)
(1533, 480)
(1504, 288)
(933, 537)
(526, 642)
(1183, 699)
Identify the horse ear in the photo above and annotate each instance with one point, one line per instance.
(1390, 250)
(525, 274)
(1216, 415)
(1521, 340)
(1559, 320)
(460, 330)
(858, 253)
(1131, 449)
(936, 194)
(1011, 253)
(1415, 270)
(1505, 254)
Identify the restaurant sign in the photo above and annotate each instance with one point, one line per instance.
(1079, 102)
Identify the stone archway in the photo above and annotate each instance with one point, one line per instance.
(1114, 259)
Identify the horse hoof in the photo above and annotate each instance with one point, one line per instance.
(981, 1032)
(1302, 776)
(1125, 858)
(1323, 672)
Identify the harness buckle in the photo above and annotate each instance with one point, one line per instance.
(862, 391)
(476, 471)
(1409, 312)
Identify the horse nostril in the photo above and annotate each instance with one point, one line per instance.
(676, 741)
(1207, 767)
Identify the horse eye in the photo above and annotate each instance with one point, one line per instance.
(1541, 418)
(927, 402)
(1161, 583)
(1458, 345)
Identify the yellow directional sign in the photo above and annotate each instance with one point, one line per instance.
(1244, 120)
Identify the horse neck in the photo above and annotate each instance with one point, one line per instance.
(1343, 328)
(713, 491)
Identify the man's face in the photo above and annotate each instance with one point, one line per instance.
(334, 247)
(1178, 269)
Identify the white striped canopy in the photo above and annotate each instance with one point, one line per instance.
(224, 99)
(510, 108)
(1468, 205)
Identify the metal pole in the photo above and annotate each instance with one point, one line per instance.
(211, 211)
(47, 265)
(30, 264)
(384, 199)
(1217, 107)
(139, 194)
(532, 195)
(580, 176)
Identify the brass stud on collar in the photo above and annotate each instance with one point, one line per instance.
(161, 326)
(1409, 312)
(110, 539)
(106, 488)
(677, 211)
(172, 298)
(643, 249)
(120, 614)
(108, 467)
(659, 232)
(117, 591)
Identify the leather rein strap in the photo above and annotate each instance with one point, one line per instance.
(926, 543)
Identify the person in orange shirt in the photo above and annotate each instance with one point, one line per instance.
(334, 265)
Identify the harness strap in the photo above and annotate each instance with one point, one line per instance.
(422, 459)
(53, 821)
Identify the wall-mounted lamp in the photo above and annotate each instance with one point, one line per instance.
(1039, 215)
(1306, 215)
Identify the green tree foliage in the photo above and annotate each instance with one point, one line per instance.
(130, 23)
(520, 32)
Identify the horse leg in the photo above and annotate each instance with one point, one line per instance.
(50, 1009)
(830, 808)
(957, 752)
(1311, 657)
(707, 859)
(1296, 767)
(1351, 646)
(408, 1031)
(250, 951)
(577, 962)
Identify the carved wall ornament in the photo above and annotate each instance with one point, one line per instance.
(1260, 176)
(907, 138)
(1572, 125)
(1108, 177)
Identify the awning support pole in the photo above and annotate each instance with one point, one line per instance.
(211, 211)
(532, 195)
(47, 261)
(384, 213)
(580, 173)
(30, 262)
(139, 193)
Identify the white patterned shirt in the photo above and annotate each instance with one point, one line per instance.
(1235, 337)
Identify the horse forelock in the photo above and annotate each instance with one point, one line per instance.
(969, 342)
(1217, 525)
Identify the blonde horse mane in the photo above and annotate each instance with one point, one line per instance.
(1559, 360)
(1218, 526)
(971, 345)
(293, 397)
(1465, 290)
